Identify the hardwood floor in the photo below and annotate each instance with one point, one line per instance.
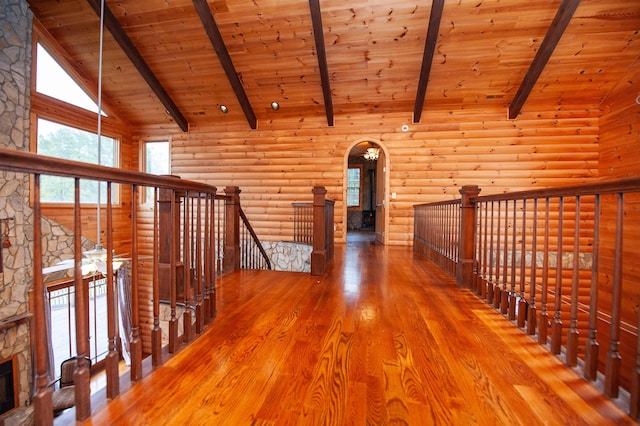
(383, 338)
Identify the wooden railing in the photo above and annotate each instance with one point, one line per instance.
(187, 228)
(303, 223)
(313, 224)
(560, 263)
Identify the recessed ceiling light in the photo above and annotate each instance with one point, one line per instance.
(275, 106)
(224, 109)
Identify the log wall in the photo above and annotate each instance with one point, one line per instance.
(281, 161)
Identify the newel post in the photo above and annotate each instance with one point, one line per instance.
(232, 230)
(319, 253)
(467, 237)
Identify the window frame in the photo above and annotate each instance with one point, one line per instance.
(144, 195)
(60, 112)
(359, 206)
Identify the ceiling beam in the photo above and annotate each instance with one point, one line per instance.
(138, 61)
(548, 45)
(318, 34)
(211, 28)
(427, 58)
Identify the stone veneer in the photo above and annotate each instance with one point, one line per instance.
(288, 256)
(16, 279)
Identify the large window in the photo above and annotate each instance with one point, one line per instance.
(60, 141)
(353, 186)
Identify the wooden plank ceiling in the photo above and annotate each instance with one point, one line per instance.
(179, 61)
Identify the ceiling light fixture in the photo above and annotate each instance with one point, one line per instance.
(224, 109)
(372, 154)
(275, 106)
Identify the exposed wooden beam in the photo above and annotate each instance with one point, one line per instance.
(427, 58)
(551, 39)
(318, 34)
(138, 61)
(211, 28)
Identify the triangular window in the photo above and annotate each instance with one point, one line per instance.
(52, 80)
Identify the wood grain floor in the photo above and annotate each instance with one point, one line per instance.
(383, 338)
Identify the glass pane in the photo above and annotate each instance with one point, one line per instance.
(156, 156)
(60, 141)
(52, 80)
(353, 187)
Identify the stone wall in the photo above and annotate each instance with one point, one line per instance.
(16, 277)
(288, 256)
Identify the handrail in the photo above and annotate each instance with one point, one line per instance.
(181, 232)
(256, 241)
(26, 162)
(551, 261)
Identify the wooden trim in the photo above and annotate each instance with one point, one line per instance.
(427, 57)
(318, 34)
(211, 28)
(559, 24)
(138, 61)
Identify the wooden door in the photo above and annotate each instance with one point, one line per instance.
(381, 172)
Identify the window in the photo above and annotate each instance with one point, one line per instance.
(353, 187)
(61, 141)
(52, 80)
(156, 157)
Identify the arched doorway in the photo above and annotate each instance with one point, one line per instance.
(365, 186)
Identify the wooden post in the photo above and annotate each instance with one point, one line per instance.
(43, 406)
(319, 253)
(467, 236)
(81, 376)
(112, 358)
(232, 231)
(135, 345)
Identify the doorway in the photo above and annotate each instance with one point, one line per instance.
(364, 187)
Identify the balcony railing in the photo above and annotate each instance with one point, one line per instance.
(560, 263)
(192, 234)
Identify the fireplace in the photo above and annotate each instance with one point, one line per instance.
(8, 384)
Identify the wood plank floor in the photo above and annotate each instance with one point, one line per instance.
(383, 338)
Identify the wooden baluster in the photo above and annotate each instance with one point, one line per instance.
(592, 345)
(512, 291)
(212, 256)
(198, 236)
(543, 329)
(490, 283)
(43, 406)
(136, 341)
(497, 293)
(531, 311)
(612, 366)
(477, 251)
(522, 303)
(81, 376)
(572, 333)
(173, 295)
(485, 281)
(186, 261)
(207, 260)
(156, 331)
(556, 328)
(112, 358)
(504, 299)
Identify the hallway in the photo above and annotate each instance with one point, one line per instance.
(382, 338)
